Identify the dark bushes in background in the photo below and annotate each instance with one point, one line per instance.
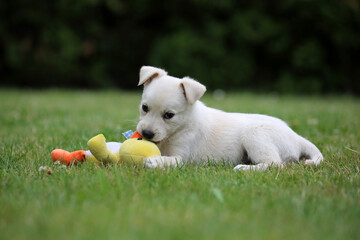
(284, 46)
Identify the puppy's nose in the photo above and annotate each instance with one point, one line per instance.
(148, 134)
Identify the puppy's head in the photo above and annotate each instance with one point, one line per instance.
(167, 103)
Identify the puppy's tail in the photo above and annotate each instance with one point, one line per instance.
(310, 152)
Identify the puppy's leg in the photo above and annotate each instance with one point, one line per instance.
(263, 157)
(163, 162)
(311, 152)
(257, 167)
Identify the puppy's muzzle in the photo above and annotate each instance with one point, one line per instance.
(148, 134)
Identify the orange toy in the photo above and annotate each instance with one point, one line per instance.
(136, 135)
(68, 158)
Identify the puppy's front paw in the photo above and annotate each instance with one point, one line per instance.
(150, 163)
(163, 162)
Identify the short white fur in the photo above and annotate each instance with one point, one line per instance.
(197, 132)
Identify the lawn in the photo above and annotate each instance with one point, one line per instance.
(207, 201)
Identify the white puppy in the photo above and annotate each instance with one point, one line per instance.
(184, 129)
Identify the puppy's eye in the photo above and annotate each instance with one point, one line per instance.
(169, 115)
(145, 108)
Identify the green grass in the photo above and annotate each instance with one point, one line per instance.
(198, 202)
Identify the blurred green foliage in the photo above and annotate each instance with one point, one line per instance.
(291, 46)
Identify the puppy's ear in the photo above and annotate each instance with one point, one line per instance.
(193, 90)
(148, 73)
